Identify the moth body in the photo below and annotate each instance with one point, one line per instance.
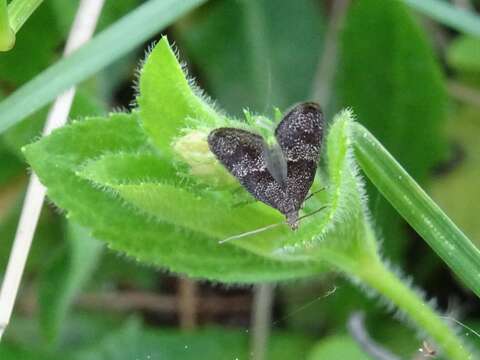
(278, 174)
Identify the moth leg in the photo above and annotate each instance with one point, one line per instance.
(244, 202)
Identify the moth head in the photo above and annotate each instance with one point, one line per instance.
(292, 220)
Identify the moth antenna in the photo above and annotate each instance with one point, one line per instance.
(268, 227)
(253, 232)
(314, 193)
(312, 213)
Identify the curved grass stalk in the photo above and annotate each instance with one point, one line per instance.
(371, 271)
(417, 208)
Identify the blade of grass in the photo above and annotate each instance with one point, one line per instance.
(120, 38)
(417, 208)
(459, 19)
(7, 36)
(20, 10)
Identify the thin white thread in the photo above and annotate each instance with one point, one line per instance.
(462, 325)
(308, 304)
(81, 31)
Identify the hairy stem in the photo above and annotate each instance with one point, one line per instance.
(377, 276)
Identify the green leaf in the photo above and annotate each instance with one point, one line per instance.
(64, 277)
(391, 81)
(267, 72)
(337, 347)
(131, 197)
(114, 42)
(12, 352)
(443, 236)
(85, 167)
(163, 83)
(133, 342)
(464, 54)
(58, 158)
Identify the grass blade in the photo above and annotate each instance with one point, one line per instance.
(20, 10)
(418, 209)
(459, 19)
(108, 46)
(7, 36)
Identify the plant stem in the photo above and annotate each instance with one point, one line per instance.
(261, 320)
(417, 208)
(7, 36)
(384, 281)
(20, 10)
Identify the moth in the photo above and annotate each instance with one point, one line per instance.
(279, 175)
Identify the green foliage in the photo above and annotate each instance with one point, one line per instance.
(249, 62)
(11, 352)
(7, 35)
(163, 83)
(132, 342)
(457, 186)
(17, 66)
(48, 236)
(123, 176)
(393, 84)
(11, 165)
(111, 180)
(464, 54)
(20, 10)
(85, 103)
(337, 347)
(123, 226)
(64, 277)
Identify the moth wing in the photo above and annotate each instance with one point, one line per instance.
(300, 135)
(242, 153)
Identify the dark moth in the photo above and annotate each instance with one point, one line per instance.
(279, 175)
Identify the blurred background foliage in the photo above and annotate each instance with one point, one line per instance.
(414, 83)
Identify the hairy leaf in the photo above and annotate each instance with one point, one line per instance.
(58, 160)
(166, 100)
